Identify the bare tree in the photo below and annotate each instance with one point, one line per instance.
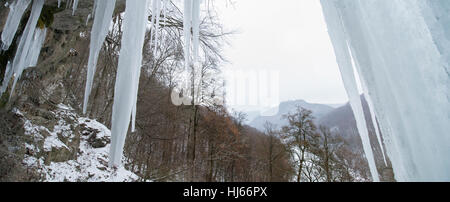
(297, 133)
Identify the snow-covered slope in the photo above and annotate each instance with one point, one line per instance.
(74, 149)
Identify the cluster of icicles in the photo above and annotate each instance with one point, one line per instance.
(401, 51)
(130, 59)
(30, 43)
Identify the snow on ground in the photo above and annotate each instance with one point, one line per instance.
(90, 165)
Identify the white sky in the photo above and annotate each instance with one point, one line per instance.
(289, 36)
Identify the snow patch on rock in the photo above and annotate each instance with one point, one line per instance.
(90, 164)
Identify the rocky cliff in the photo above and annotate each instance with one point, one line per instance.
(56, 138)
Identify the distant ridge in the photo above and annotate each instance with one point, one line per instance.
(318, 110)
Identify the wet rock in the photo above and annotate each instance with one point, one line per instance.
(98, 142)
(56, 155)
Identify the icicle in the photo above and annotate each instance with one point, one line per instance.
(35, 48)
(102, 21)
(158, 13)
(94, 8)
(68, 3)
(372, 115)
(133, 116)
(7, 78)
(20, 59)
(187, 25)
(191, 24)
(165, 17)
(196, 27)
(369, 103)
(153, 31)
(17, 8)
(87, 19)
(136, 91)
(401, 50)
(375, 125)
(130, 61)
(337, 35)
(74, 6)
(153, 19)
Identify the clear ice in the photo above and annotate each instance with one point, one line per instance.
(74, 6)
(21, 61)
(343, 56)
(16, 10)
(130, 61)
(402, 51)
(102, 21)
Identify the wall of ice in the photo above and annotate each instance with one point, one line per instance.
(16, 10)
(401, 52)
(30, 43)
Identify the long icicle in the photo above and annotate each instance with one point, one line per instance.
(153, 19)
(187, 25)
(20, 60)
(17, 8)
(196, 28)
(74, 6)
(158, 17)
(369, 103)
(130, 61)
(153, 31)
(338, 38)
(35, 48)
(103, 16)
(165, 17)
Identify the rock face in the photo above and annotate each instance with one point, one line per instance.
(58, 142)
(60, 74)
(12, 150)
(73, 149)
(95, 137)
(65, 21)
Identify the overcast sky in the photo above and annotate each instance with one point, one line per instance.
(289, 36)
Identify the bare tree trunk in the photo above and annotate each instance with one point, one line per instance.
(299, 175)
(271, 158)
(327, 166)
